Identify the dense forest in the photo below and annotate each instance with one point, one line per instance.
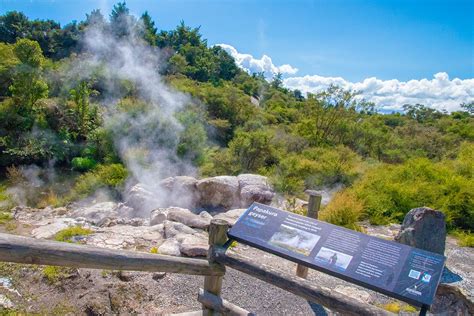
(64, 117)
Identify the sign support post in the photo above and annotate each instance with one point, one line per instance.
(314, 204)
(217, 237)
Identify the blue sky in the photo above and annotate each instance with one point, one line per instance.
(351, 39)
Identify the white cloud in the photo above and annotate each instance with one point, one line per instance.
(252, 64)
(439, 92)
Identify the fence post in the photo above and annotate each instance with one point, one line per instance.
(314, 204)
(217, 237)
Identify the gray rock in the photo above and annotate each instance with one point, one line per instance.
(205, 215)
(95, 213)
(180, 191)
(221, 191)
(49, 227)
(141, 199)
(254, 188)
(231, 216)
(187, 218)
(424, 228)
(194, 246)
(158, 275)
(158, 216)
(170, 247)
(172, 229)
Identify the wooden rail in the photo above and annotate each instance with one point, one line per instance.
(217, 304)
(33, 251)
(325, 296)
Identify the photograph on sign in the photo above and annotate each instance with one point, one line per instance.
(294, 239)
(333, 258)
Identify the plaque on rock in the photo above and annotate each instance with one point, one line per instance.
(400, 271)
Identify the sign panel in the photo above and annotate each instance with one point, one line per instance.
(397, 270)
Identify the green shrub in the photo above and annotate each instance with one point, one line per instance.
(465, 238)
(388, 192)
(103, 176)
(344, 210)
(83, 163)
(54, 274)
(66, 234)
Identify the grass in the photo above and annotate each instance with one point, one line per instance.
(5, 217)
(66, 234)
(465, 238)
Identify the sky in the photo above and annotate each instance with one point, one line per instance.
(394, 52)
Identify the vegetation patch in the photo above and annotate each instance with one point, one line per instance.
(54, 274)
(66, 234)
(464, 238)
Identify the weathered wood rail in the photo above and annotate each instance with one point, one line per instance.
(32, 251)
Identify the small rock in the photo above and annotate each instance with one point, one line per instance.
(158, 216)
(158, 275)
(424, 228)
(231, 216)
(205, 215)
(125, 276)
(171, 229)
(5, 302)
(187, 218)
(170, 247)
(193, 246)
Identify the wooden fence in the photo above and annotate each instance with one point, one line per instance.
(32, 251)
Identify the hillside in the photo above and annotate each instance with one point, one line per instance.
(92, 107)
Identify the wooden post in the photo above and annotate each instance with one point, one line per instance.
(217, 237)
(314, 204)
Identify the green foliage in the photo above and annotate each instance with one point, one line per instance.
(66, 234)
(55, 274)
(465, 238)
(388, 192)
(103, 176)
(83, 163)
(344, 210)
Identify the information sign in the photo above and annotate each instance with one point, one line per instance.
(397, 270)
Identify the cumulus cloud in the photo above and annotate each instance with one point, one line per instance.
(254, 65)
(439, 92)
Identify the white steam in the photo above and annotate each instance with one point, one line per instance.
(148, 135)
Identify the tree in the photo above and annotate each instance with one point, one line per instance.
(121, 21)
(148, 29)
(28, 86)
(13, 25)
(277, 81)
(80, 96)
(468, 107)
(8, 61)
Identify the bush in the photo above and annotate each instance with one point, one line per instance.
(465, 238)
(83, 163)
(103, 176)
(66, 234)
(388, 192)
(344, 210)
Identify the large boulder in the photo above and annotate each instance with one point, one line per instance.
(180, 191)
(174, 229)
(254, 188)
(141, 199)
(169, 247)
(219, 192)
(96, 212)
(424, 228)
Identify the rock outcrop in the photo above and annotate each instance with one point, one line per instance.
(424, 228)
